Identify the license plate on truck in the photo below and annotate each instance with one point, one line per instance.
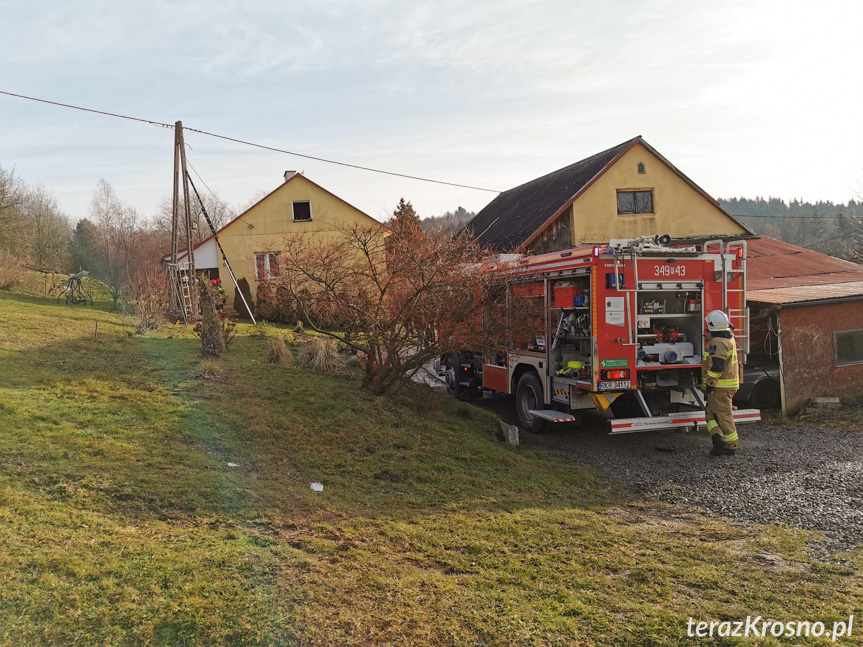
(615, 385)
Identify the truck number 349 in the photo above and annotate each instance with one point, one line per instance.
(670, 270)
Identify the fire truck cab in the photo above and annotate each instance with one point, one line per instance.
(616, 327)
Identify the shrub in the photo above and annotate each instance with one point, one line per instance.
(11, 272)
(150, 294)
(215, 329)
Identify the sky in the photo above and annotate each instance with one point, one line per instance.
(747, 98)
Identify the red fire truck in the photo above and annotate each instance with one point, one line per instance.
(616, 327)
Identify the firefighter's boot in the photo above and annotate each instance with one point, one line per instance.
(718, 445)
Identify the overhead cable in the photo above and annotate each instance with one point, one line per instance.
(818, 217)
(248, 143)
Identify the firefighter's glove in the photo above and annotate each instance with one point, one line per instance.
(708, 388)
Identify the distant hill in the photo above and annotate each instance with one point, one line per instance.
(826, 227)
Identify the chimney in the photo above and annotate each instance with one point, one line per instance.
(289, 175)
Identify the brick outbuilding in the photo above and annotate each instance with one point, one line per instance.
(807, 315)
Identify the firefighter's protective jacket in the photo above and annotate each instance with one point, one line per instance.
(719, 361)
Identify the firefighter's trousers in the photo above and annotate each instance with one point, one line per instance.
(719, 417)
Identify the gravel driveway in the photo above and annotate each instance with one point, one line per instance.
(807, 477)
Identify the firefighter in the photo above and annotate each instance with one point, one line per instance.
(720, 382)
(221, 297)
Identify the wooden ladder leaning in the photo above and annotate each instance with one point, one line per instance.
(181, 292)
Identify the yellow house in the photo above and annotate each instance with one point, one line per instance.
(252, 240)
(624, 192)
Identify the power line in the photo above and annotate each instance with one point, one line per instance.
(231, 212)
(213, 193)
(328, 161)
(737, 215)
(248, 143)
(98, 112)
(827, 240)
(820, 242)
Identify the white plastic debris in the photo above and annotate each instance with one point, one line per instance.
(232, 464)
(317, 487)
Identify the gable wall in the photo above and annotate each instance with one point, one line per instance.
(679, 209)
(272, 219)
(557, 236)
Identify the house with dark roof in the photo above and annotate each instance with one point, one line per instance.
(627, 191)
(806, 317)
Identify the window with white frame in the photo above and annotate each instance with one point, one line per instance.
(849, 347)
(302, 211)
(268, 265)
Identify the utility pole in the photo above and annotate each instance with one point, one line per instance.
(183, 286)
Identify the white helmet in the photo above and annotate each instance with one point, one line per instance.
(717, 320)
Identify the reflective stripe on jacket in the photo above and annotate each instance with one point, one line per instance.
(719, 363)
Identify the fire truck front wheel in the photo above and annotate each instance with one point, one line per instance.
(528, 397)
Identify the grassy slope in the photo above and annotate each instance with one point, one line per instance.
(124, 524)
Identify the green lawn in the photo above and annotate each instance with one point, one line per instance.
(145, 502)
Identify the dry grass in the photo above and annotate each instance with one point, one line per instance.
(208, 369)
(322, 356)
(277, 352)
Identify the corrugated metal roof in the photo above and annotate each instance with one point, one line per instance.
(773, 264)
(803, 293)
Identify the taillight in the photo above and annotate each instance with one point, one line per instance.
(616, 374)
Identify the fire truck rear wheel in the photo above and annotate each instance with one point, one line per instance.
(528, 396)
(766, 395)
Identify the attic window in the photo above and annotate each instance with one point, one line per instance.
(633, 202)
(641, 168)
(302, 211)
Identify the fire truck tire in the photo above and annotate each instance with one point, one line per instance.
(451, 376)
(626, 406)
(766, 395)
(528, 396)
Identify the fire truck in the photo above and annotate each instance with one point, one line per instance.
(617, 328)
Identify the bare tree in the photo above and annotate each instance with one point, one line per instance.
(147, 287)
(398, 295)
(849, 240)
(117, 226)
(220, 214)
(255, 198)
(46, 231)
(11, 198)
